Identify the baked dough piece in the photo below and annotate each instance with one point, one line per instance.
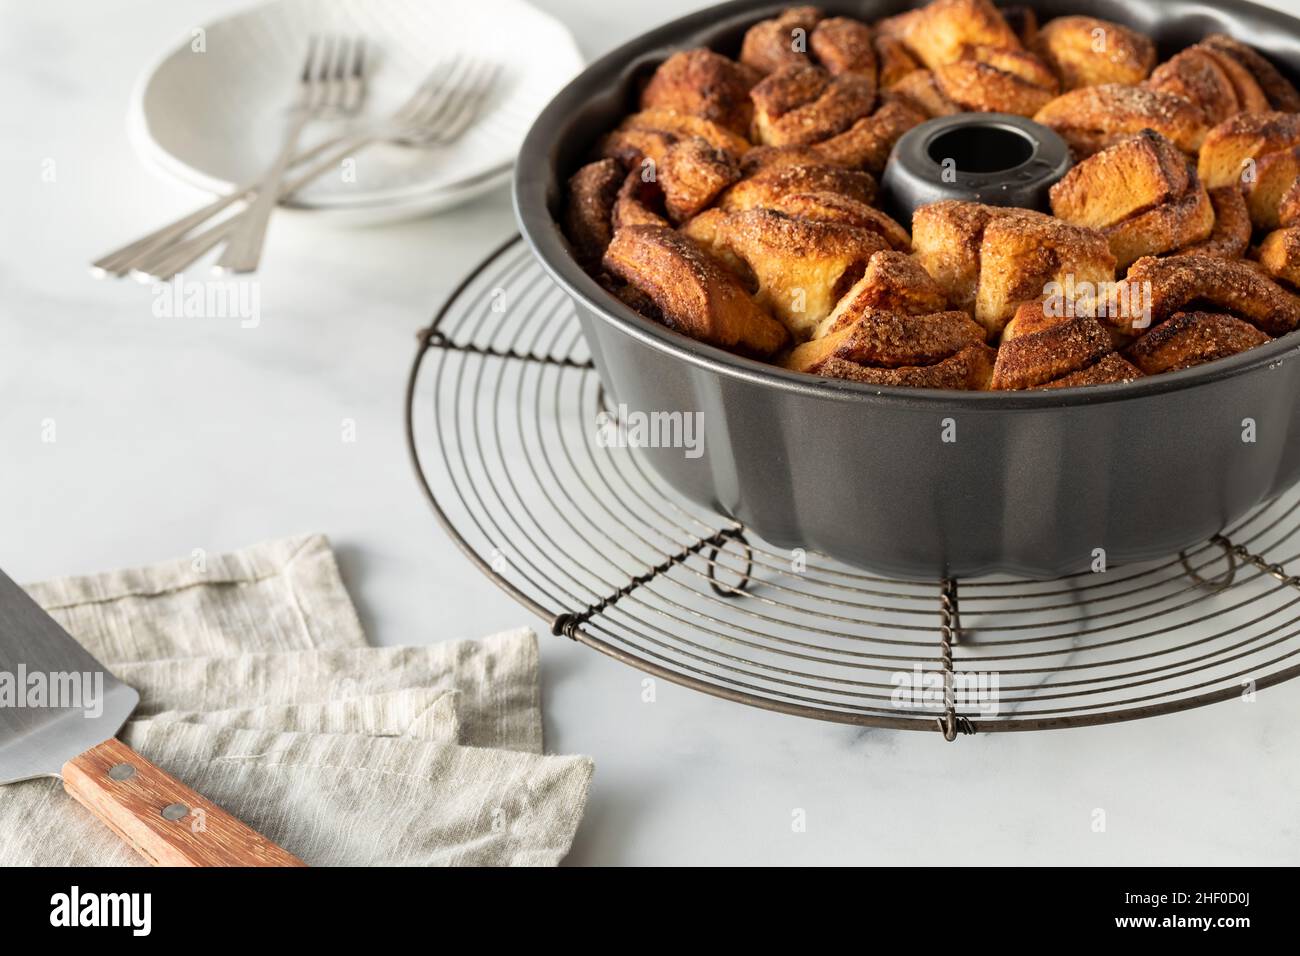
(997, 80)
(921, 90)
(868, 142)
(1278, 91)
(772, 45)
(1176, 282)
(1094, 117)
(1135, 174)
(832, 207)
(1279, 254)
(946, 239)
(705, 84)
(1021, 258)
(1038, 347)
(968, 370)
(1274, 175)
(893, 61)
(1111, 369)
(1231, 149)
(1230, 236)
(1288, 210)
(650, 133)
(801, 105)
(844, 45)
(989, 259)
(1192, 338)
(798, 268)
(887, 339)
(1198, 76)
(1086, 51)
(587, 211)
(940, 32)
(692, 175)
(776, 180)
(895, 282)
(693, 293)
(640, 202)
(1185, 221)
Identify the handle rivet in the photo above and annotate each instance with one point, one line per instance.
(121, 771)
(175, 811)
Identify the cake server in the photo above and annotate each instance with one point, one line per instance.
(60, 710)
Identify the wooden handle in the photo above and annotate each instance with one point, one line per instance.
(159, 817)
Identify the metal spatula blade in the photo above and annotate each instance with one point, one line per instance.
(60, 710)
(56, 700)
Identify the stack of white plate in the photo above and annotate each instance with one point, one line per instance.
(212, 112)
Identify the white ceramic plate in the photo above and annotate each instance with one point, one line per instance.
(212, 111)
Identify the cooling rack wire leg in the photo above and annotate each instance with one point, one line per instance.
(950, 724)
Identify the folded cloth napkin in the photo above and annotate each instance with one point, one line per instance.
(258, 691)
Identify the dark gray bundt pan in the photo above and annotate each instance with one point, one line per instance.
(1033, 483)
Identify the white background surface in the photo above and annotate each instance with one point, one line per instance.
(175, 434)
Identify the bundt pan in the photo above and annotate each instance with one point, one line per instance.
(923, 483)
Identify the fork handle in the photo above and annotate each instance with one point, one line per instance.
(244, 249)
(159, 817)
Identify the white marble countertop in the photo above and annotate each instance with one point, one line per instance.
(180, 434)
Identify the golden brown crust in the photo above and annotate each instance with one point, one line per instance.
(1196, 75)
(1038, 348)
(801, 105)
(1250, 95)
(939, 32)
(692, 292)
(1192, 338)
(1111, 369)
(1274, 174)
(1288, 210)
(893, 61)
(1135, 174)
(782, 41)
(800, 267)
(843, 45)
(1279, 92)
(946, 239)
(894, 281)
(1184, 221)
(832, 207)
(587, 211)
(1279, 254)
(868, 142)
(705, 84)
(997, 80)
(1231, 234)
(1094, 117)
(920, 90)
(772, 182)
(640, 202)
(1232, 148)
(692, 176)
(1020, 259)
(968, 370)
(1177, 282)
(1086, 51)
(649, 134)
(887, 339)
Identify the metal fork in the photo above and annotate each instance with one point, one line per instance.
(440, 110)
(332, 83)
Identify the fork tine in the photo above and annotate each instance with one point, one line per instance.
(470, 104)
(354, 85)
(437, 108)
(430, 95)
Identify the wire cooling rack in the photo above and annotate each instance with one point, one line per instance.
(503, 416)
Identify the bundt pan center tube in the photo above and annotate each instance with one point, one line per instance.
(922, 483)
(993, 158)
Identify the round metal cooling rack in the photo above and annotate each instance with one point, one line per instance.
(509, 437)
